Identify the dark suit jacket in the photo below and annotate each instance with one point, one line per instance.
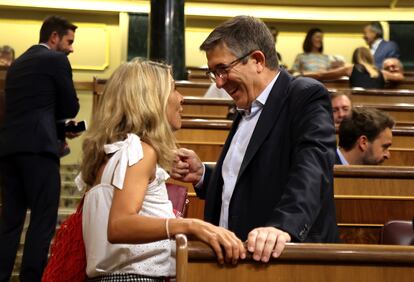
(386, 49)
(39, 91)
(337, 159)
(286, 176)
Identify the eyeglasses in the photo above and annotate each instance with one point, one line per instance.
(223, 70)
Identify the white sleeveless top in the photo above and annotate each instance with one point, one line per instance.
(152, 259)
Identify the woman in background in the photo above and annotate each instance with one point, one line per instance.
(363, 73)
(128, 221)
(313, 58)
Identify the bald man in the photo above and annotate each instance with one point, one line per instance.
(341, 107)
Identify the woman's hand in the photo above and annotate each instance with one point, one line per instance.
(219, 239)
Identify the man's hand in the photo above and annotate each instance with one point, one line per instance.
(264, 242)
(187, 166)
(72, 135)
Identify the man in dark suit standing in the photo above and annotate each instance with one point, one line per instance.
(39, 92)
(380, 48)
(273, 182)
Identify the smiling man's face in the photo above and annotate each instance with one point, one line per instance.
(239, 81)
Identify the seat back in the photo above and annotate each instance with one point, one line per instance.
(398, 232)
(179, 198)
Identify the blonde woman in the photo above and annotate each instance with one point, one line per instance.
(363, 73)
(128, 221)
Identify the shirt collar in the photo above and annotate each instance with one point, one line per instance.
(375, 45)
(260, 101)
(44, 44)
(341, 157)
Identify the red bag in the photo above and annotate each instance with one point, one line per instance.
(178, 196)
(67, 261)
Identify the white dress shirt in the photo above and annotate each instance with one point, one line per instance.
(375, 45)
(341, 157)
(237, 150)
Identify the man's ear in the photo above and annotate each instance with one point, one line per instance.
(260, 60)
(363, 143)
(53, 38)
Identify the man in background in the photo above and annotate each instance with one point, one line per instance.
(341, 107)
(393, 65)
(39, 91)
(365, 137)
(380, 48)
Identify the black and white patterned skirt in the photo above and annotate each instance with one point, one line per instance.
(120, 277)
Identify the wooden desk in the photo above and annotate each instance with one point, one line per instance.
(199, 130)
(380, 96)
(191, 88)
(366, 197)
(207, 137)
(210, 108)
(300, 262)
(402, 113)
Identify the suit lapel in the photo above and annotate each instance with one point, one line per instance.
(268, 117)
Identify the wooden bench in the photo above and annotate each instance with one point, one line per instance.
(207, 131)
(206, 108)
(207, 137)
(210, 152)
(198, 74)
(199, 107)
(196, 261)
(198, 89)
(366, 197)
(199, 130)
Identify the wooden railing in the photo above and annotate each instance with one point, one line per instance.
(300, 262)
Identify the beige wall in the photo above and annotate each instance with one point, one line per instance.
(339, 39)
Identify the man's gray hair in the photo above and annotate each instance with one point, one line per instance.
(241, 35)
(377, 28)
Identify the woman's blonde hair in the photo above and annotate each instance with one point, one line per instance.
(362, 56)
(134, 101)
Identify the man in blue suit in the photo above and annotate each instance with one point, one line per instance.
(39, 92)
(380, 48)
(273, 182)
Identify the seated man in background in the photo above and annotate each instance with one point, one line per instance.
(364, 137)
(393, 65)
(341, 107)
